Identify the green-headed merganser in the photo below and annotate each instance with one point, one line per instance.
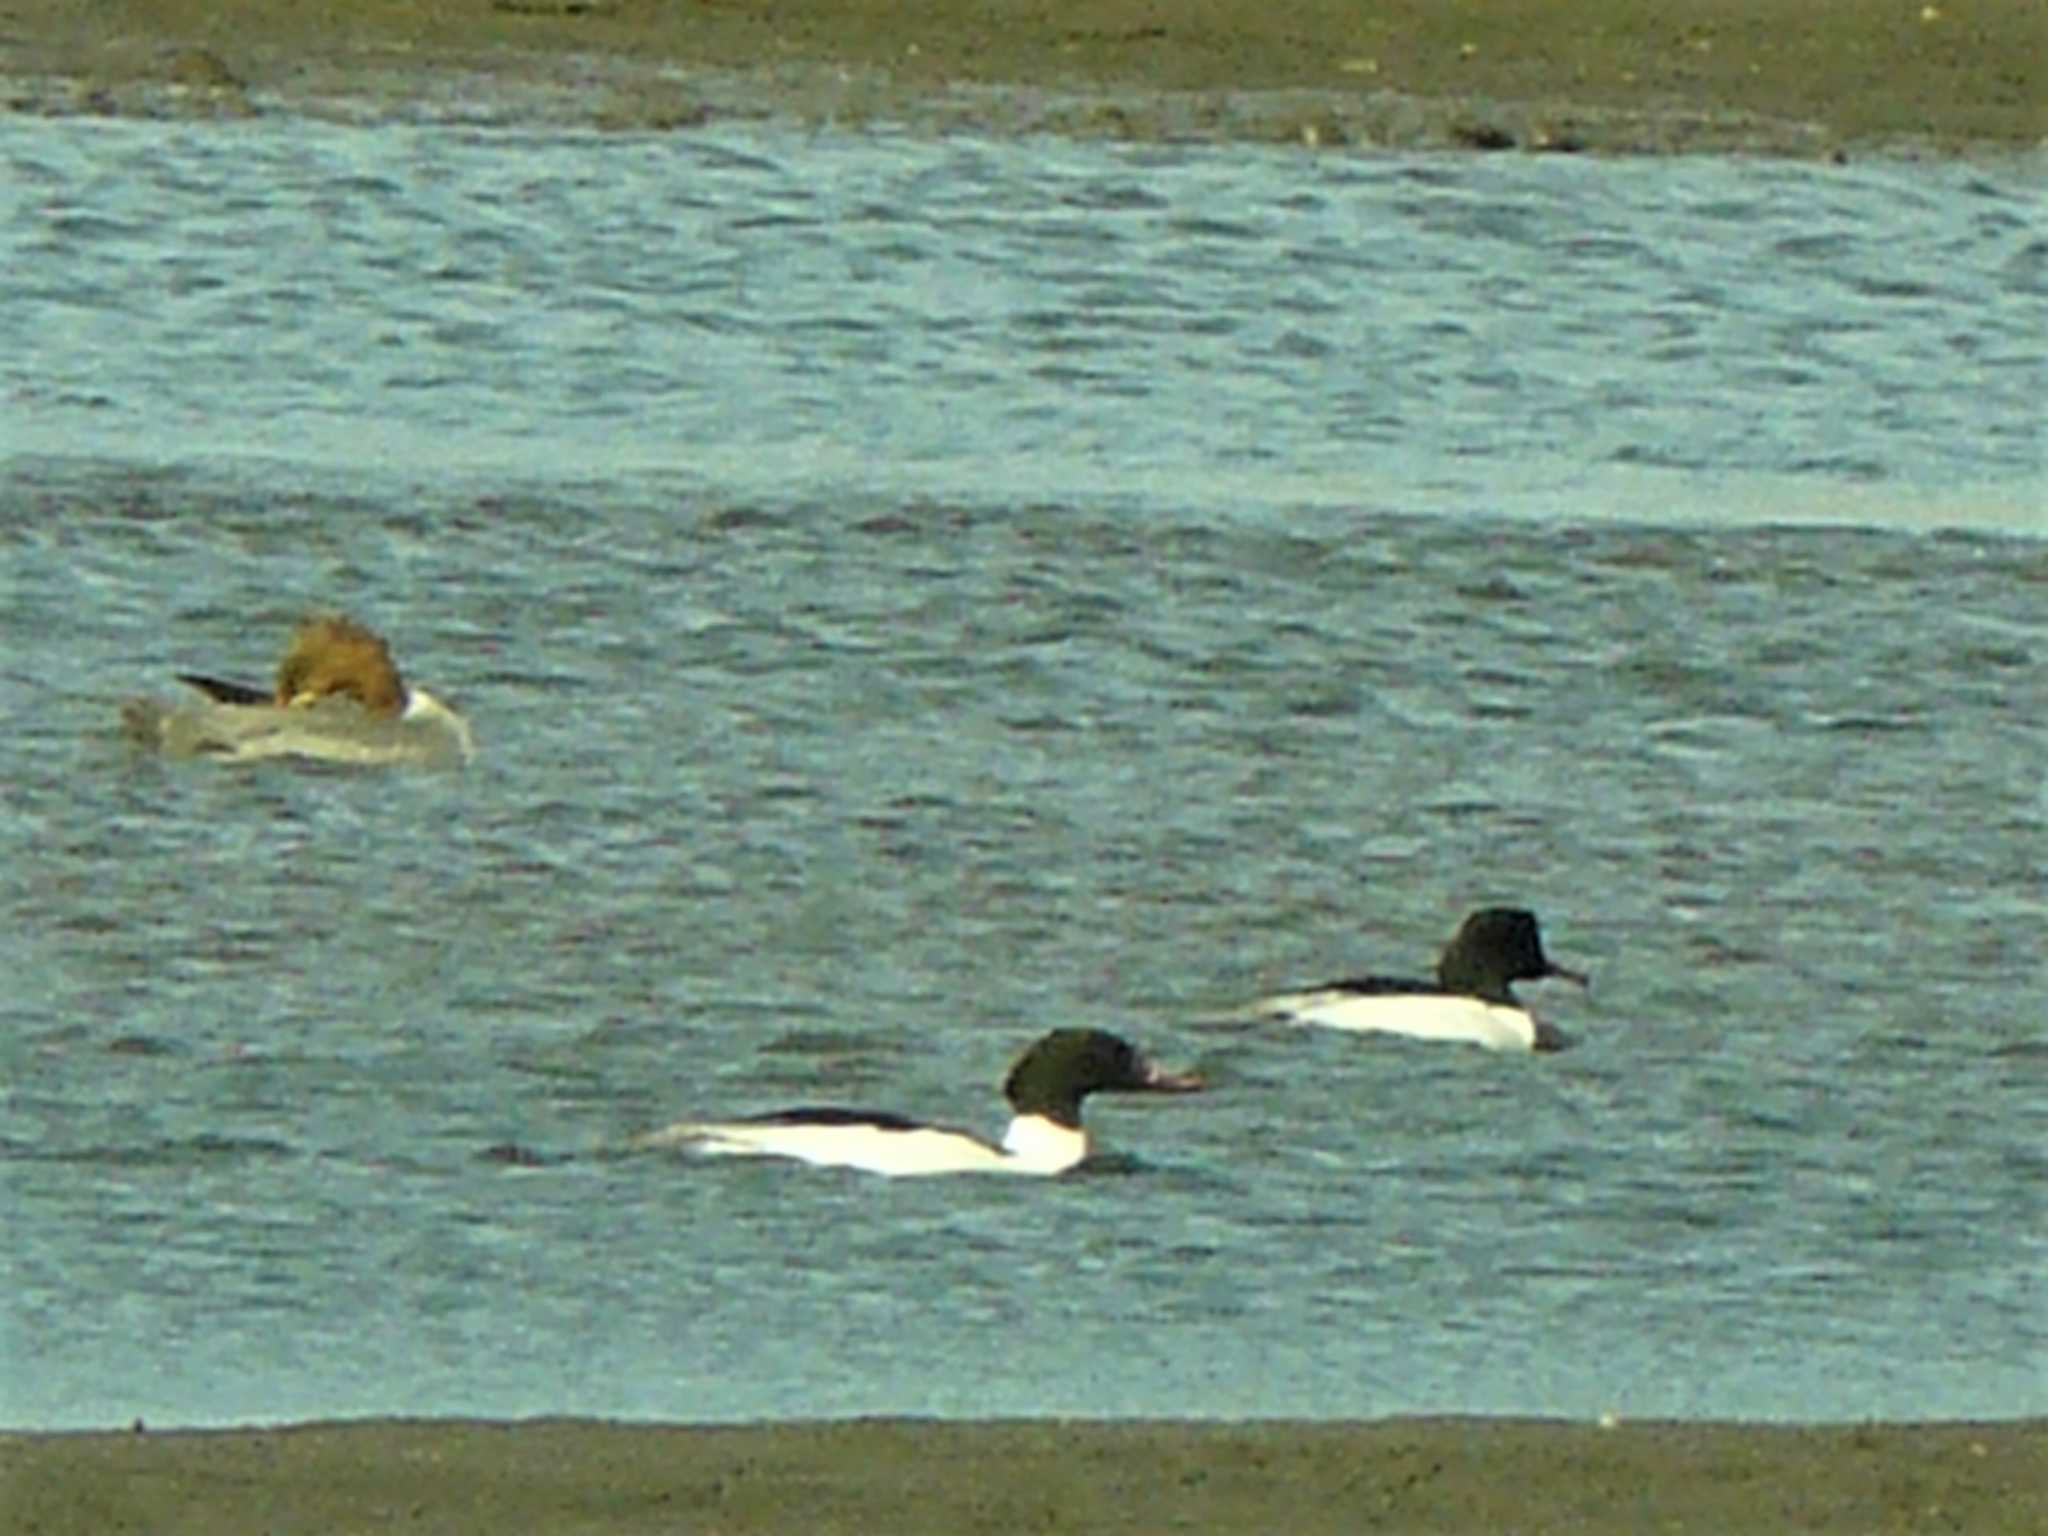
(1472, 998)
(1045, 1089)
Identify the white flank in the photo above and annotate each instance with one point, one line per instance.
(1033, 1146)
(429, 734)
(1416, 1015)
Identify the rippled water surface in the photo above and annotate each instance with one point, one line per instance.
(913, 594)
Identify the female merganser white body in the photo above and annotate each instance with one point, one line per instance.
(1045, 1088)
(1472, 998)
(339, 699)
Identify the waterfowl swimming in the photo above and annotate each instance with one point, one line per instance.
(1472, 998)
(1045, 1089)
(339, 698)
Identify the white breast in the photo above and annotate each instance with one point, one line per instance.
(1038, 1145)
(451, 737)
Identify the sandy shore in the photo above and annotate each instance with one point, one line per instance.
(908, 1477)
(1808, 77)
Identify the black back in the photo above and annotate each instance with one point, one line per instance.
(1382, 986)
(222, 691)
(826, 1114)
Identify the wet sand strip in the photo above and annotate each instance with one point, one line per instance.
(907, 1477)
(1800, 77)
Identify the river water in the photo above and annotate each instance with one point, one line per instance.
(916, 592)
